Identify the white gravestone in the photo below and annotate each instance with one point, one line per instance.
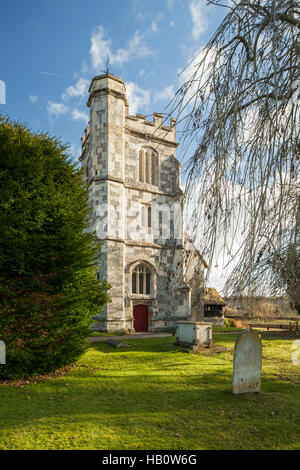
(247, 363)
(2, 353)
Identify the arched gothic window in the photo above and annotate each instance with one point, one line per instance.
(148, 166)
(141, 280)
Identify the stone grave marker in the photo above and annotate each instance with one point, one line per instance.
(117, 344)
(247, 360)
(2, 353)
(194, 333)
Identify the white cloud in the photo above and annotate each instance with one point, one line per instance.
(199, 18)
(167, 94)
(172, 23)
(80, 89)
(101, 49)
(78, 115)
(138, 98)
(33, 98)
(2, 92)
(56, 109)
(197, 72)
(226, 253)
(85, 69)
(135, 48)
(154, 25)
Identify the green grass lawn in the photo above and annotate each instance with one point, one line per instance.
(154, 396)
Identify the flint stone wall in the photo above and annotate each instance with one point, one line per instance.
(110, 154)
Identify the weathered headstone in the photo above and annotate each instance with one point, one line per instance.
(247, 363)
(117, 344)
(2, 353)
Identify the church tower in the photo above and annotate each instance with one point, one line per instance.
(133, 179)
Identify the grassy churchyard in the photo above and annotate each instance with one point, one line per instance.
(153, 395)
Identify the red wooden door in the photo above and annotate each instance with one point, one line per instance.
(140, 318)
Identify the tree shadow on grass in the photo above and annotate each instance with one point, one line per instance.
(157, 345)
(103, 393)
(120, 392)
(179, 398)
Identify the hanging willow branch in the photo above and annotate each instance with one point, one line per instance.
(240, 110)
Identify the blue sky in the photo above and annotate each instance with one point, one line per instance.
(50, 50)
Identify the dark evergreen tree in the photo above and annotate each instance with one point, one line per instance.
(48, 286)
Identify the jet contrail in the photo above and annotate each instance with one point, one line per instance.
(51, 74)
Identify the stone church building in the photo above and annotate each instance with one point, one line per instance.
(133, 179)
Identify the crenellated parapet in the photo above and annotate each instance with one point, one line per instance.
(155, 130)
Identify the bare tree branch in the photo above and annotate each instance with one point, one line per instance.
(240, 109)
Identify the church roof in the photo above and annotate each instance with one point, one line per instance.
(212, 297)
